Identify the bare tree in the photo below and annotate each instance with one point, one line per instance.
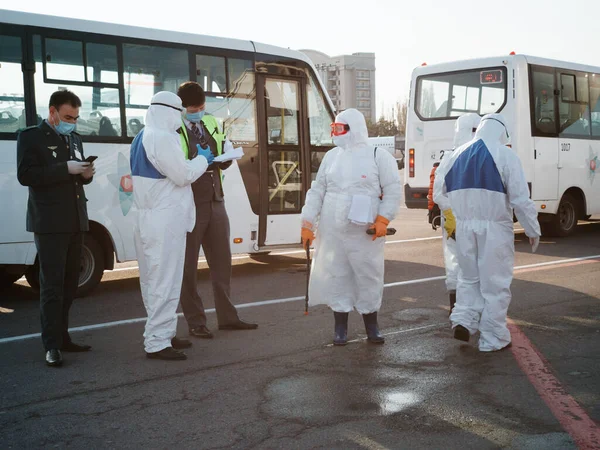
(382, 127)
(427, 107)
(402, 111)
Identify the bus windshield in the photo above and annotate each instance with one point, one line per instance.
(449, 95)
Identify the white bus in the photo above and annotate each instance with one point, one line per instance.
(269, 100)
(393, 144)
(553, 114)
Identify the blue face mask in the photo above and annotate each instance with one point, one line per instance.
(65, 128)
(195, 117)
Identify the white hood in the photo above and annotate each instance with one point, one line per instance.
(465, 128)
(493, 129)
(358, 134)
(164, 112)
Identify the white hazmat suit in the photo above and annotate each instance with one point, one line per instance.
(347, 271)
(164, 205)
(464, 131)
(483, 182)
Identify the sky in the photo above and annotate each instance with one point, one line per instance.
(402, 34)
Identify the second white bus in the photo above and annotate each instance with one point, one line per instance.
(553, 114)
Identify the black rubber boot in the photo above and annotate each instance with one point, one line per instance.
(341, 328)
(452, 296)
(373, 334)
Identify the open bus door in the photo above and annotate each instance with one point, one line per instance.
(283, 151)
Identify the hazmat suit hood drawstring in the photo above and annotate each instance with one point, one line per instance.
(493, 129)
(357, 135)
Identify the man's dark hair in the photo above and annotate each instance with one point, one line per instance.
(60, 98)
(191, 94)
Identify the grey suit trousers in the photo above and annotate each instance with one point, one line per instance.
(212, 233)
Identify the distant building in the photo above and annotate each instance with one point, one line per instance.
(349, 80)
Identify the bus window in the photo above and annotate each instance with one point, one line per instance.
(574, 110)
(236, 116)
(99, 114)
(319, 118)
(210, 73)
(285, 183)
(236, 113)
(316, 158)
(282, 112)
(319, 121)
(595, 103)
(543, 100)
(12, 92)
(102, 64)
(464, 98)
(148, 70)
(64, 60)
(241, 76)
(449, 95)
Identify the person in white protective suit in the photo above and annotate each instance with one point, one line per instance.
(464, 131)
(344, 201)
(483, 183)
(165, 210)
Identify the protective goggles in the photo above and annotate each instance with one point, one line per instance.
(338, 129)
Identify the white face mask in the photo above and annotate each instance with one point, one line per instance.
(342, 141)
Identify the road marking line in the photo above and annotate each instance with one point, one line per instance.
(518, 269)
(567, 411)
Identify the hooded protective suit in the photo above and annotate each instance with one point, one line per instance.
(483, 182)
(347, 271)
(165, 210)
(464, 131)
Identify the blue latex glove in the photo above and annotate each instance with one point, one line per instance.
(206, 153)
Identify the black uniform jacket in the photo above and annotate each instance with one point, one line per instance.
(57, 202)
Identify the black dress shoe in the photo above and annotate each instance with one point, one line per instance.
(54, 358)
(71, 347)
(179, 344)
(201, 332)
(168, 354)
(239, 325)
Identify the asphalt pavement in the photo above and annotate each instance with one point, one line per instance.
(284, 385)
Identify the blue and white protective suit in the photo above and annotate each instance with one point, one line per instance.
(464, 131)
(347, 271)
(483, 182)
(165, 213)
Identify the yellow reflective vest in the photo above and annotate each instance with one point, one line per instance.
(213, 128)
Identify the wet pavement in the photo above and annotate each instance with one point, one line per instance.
(285, 386)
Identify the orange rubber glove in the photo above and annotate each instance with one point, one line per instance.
(380, 227)
(308, 236)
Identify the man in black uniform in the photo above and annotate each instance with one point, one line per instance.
(50, 162)
(212, 224)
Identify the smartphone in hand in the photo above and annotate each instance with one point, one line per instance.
(90, 159)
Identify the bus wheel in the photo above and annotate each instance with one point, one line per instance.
(91, 268)
(8, 278)
(564, 222)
